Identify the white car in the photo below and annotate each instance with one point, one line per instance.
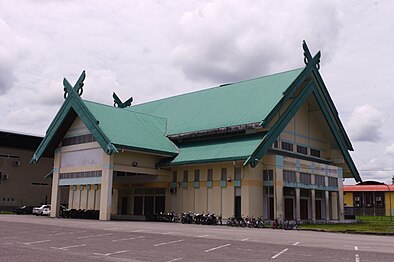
(46, 211)
(39, 210)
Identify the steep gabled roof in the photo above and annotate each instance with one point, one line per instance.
(144, 127)
(112, 128)
(316, 87)
(132, 130)
(223, 106)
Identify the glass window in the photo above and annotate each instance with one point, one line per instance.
(305, 178)
(210, 174)
(315, 152)
(302, 149)
(237, 173)
(223, 174)
(268, 175)
(289, 176)
(185, 176)
(287, 146)
(319, 180)
(197, 175)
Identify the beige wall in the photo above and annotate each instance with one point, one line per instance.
(25, 184)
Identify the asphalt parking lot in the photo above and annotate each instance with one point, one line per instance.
(27, 238)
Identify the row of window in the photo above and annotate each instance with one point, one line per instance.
(75, 140)
(223, 175)
(81, 174)
(305, 178)
(300, 149)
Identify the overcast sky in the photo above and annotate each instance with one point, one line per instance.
(154, 49)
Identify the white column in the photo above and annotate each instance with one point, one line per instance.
(106, 187)
(278, 189)
(334, 205)
(327, 204)
(55, 197)
(340, 195)
(313, 199)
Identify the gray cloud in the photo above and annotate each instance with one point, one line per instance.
(231, 40)
(12, 50)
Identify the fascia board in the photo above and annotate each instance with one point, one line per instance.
(333, 109)
(336, 133)
(51, 131)
(88, 119)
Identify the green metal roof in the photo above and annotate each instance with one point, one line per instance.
(216, 150)
(126, 129)
(229, 105)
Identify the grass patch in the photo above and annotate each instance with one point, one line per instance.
(7, 213)
(366, 224)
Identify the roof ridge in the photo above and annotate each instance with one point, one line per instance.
(125, 109)
(215, 87)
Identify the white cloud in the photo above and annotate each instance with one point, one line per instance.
(366, 123)
(389, 150)
(231, 40)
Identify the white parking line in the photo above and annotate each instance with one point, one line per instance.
(357, 258)
(203, 236)
(167, 233)
(175, 259)
(356, 248)
(166, 243)
(135, 231)
(214, 248)
(35, 242)
(124, 239)
(280, 253)
(77, 232)
(244, 239)
(296, 243)
(66, 248)
(58, 234)
(101, 235)
(113, 253)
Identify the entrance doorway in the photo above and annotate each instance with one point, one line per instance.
(237, 207)
(304, 208)
(124, 206)
(289, 213)
(318, 209)
(138, 204)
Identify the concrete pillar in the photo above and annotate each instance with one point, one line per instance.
(313, 200)
(278, 189)
(340, 195)
(55, 196)
(114, 201)
(334, 205)
(298, 203)
(327, 204)
(106, 187)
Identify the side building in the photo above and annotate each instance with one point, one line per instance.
(273, 146)
(20, 182)
(369, 198)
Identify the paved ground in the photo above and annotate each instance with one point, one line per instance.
(28, 238)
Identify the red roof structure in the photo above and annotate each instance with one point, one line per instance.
(358, 188)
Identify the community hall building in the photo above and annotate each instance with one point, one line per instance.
(272, 146)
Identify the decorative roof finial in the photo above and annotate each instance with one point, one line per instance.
(119, 103)
(308, 56)
(78, 87)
